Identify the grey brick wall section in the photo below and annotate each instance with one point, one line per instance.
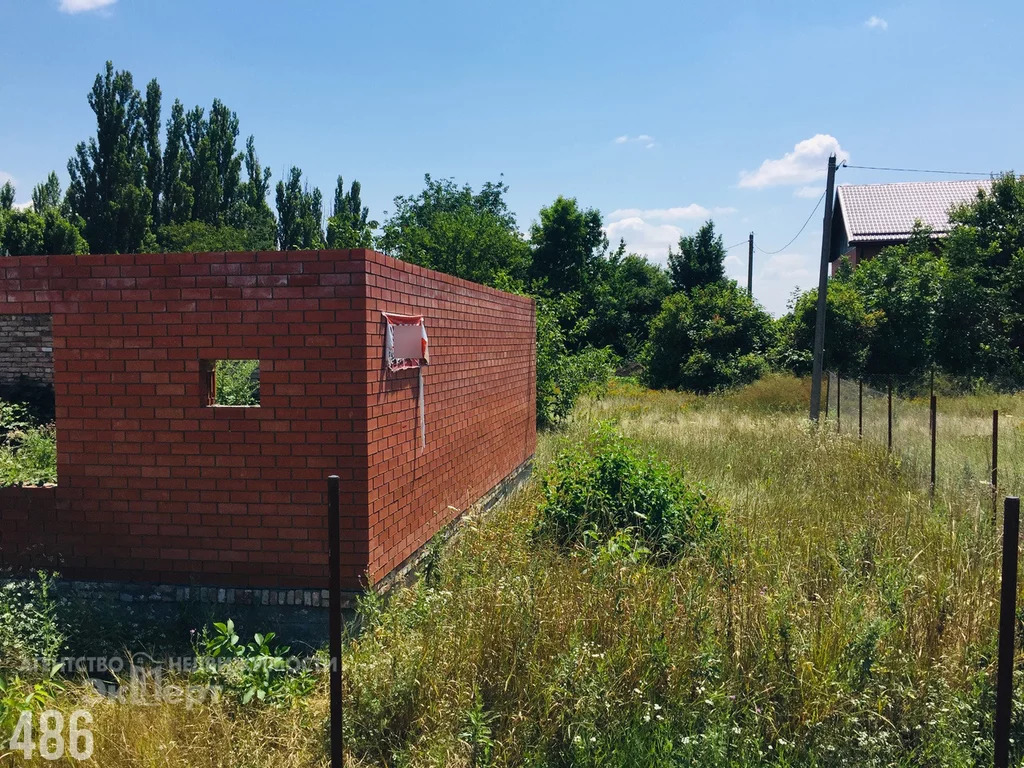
(26, 349)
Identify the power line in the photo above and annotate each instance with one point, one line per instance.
(730, 247)
(800, 232)
(917, 170)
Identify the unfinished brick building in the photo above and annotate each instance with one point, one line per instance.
(157, 486)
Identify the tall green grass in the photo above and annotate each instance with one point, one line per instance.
(842, 618)
(851, 621)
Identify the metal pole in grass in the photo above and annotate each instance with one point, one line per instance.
(890, 415)
(933, 425)
(860, 409)
(839, 402)
(828, 392)
(995, 463)
(334, 564)
(1007, 622)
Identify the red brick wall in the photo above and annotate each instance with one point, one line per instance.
(153, 486)
(479, 404)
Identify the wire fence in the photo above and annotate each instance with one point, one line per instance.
(954, 452)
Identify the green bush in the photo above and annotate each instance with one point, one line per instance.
(605, 485)
(28, 452)
(238, 382)
(713, 337)
(562, 376)
(31, 632)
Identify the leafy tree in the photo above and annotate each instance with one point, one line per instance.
(251, 213)
(349, 225)
(151, 125)
(900, 288)
(24, 233)
(630, 295)
(980, 317)
(199, 237)
(299, 213)
(453, 229)
(849, 330)
(568, 246)
(46, 195)
(214, 165)
(108, 173)
(713, 337)
(178, 196)
(700, 260)
(7, 196)
(563, 375)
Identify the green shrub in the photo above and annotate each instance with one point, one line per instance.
(31, 632)
(713, 337)
(238, 382)
(28, 453)
(605, 484)
(563, 376)
(258, 670)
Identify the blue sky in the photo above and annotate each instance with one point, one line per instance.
(657, 113)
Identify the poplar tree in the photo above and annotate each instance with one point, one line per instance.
(46, 194)
(108, 173)
(349, 225)
(299, 213)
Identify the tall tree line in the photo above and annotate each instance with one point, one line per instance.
(142, 184)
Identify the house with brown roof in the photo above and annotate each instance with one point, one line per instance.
(869, 217)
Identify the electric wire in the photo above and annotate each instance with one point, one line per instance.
(917, 170)
(799, 232)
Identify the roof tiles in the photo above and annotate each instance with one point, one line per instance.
(888, 211)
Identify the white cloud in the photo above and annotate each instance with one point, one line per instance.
(806, 163)
(776, 278)
(81, 6)
(644, 237)
(810, 193)
(877, 22)
(5, 177)
(643, 138)
(23, 206)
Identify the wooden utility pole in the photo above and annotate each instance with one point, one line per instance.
(750, 266)
(819, 324)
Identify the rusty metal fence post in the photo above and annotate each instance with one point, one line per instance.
(995, 464)
(860, 409)
(890, 416)
(335, 618)
(933, 426)
(839, 403)
(1007, 625)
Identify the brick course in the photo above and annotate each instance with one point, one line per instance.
(26, 350)
(155, 487)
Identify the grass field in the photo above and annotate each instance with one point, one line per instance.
(846, 618)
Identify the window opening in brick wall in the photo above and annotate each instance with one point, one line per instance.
(28, 435)
(231, 383)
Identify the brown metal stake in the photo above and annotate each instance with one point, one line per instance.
(335, 625)
(995, 464)
(933, 425)
(890, 416)
(839, 403)
(860, 409)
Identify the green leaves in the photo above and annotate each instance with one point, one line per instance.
(606, 485)
(700, 260)
(455, 230)
(712, 338)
